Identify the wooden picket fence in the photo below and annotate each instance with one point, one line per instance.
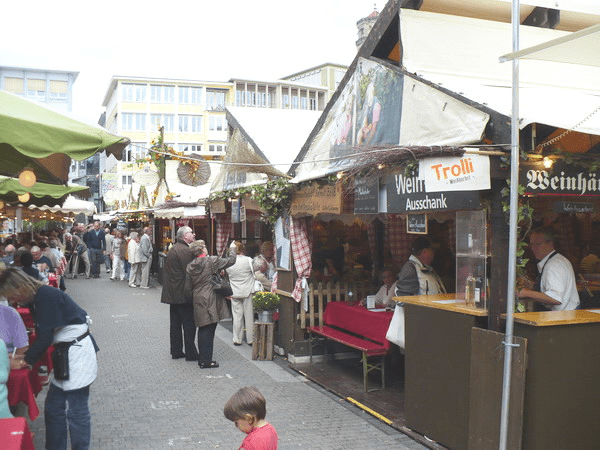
(322, 293)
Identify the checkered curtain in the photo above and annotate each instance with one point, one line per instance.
(223, 222)
(398, 240)
(301, 237)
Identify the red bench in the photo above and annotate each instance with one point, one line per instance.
(358, 328)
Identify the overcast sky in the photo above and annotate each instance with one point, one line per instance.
(211, 40)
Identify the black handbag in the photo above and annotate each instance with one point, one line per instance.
(60, 361)
(221, 284)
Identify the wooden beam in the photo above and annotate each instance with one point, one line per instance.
(543, 18)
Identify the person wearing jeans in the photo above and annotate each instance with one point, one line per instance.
(62, 323)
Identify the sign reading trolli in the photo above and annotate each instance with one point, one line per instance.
(441, 184)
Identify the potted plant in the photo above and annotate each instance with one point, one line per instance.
(265, 303)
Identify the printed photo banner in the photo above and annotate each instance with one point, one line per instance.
(449, 173)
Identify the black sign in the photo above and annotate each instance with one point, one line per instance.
(416, 224)
(407, 194)
(561, 179)
(366, 197)
(574, 207)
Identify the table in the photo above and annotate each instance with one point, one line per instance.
(356, 315)
(15, 435)
(23, 386)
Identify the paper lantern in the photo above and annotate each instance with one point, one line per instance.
(24, 197)
(27, 178)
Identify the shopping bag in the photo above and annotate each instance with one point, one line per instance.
(395, 333)
(221, 284)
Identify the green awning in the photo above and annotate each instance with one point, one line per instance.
(32, 135)
(41, 193)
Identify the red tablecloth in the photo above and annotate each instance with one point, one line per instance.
(15, 435)
(25, 314)
(23, 385)
(359, 319)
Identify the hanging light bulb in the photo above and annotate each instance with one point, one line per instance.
(547, 162)
(24, 197)
(1, 204)
(27, 177)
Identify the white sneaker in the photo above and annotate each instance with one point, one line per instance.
(144, 287)
(132, 285)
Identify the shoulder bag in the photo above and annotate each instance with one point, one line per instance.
(258, 287)
(221, 284)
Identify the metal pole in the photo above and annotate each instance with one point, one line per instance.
(512, 240)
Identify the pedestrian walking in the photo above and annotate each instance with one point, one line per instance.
(146, 257)
(96, 246)
(133, 255)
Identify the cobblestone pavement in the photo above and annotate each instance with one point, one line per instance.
(143, 399)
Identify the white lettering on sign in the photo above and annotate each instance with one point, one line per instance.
(541, 180)
(426, 203)
(409, 185)
(363, 190)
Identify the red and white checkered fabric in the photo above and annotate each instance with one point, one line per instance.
(223, 223)
(399, 240)
(301, 240)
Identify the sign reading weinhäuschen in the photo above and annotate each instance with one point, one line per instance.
(562, 179)
(449, 173)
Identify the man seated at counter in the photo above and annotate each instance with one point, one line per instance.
(556, 288)
(417, 277)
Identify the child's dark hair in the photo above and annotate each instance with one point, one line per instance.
(248, 400)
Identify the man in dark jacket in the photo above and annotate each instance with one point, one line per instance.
(181, 309)
(96, 245)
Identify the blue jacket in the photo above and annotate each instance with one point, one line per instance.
(95, 241)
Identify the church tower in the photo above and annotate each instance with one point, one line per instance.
(364, 26)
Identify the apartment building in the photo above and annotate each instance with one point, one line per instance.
(52, 88)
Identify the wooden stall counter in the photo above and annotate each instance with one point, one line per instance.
(447, 302)
(563, 369)
(437, 365)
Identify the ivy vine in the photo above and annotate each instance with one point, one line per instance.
(274, 197)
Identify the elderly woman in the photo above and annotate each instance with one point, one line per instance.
(209, 306)
(117, 253)
(62, 323)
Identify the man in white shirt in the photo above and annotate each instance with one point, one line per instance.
(556, 288)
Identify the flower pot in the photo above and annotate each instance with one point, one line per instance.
(265, 316)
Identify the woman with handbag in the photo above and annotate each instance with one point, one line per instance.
(241, 277)
(209, 305)
(60, 322)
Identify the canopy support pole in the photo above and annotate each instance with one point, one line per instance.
(512, 239)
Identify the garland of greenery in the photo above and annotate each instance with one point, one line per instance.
(274, 197)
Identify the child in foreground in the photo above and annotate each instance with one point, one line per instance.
(248, 408)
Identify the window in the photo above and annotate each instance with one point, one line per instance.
(134, 151)
(166, 120)
(239, 98)
(36, 88)
(188, 148)
(295, 102)
(217, 123)
(134, 93)
(58, 90)
(190, 124)
(313, 104)
(215, 99)
(286, 101)
(127, 121)
(217, 147)
(140, 122)
(14, 85)
(303, 103)
(126, 179)
(190, 94)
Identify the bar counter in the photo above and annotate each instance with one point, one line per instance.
(561, 406)
(437, 366)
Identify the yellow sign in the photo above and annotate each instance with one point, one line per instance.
(316, 199)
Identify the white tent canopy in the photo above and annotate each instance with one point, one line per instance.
(71, 205)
